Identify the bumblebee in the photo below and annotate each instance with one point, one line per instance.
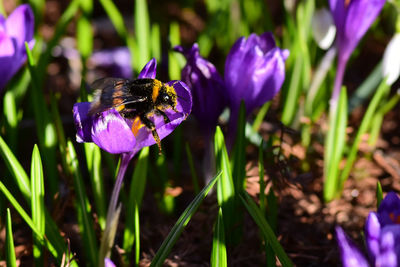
(135, 99)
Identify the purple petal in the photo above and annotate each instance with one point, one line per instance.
(203, 79)
(389, 210)
(14, 31)
(350, 254)
(108, 263)
(83, 123)
(150, 70)
(389, 247)
(20, 25)
(372, 234)
(111, 133)
(117, 60)
(267, 42)
(352, 21)
(254, 71)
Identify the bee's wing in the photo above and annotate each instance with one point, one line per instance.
(111, 93)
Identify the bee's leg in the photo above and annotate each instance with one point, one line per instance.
(162, 113)
(153, 130)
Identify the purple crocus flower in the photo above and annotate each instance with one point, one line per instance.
(254, 71)
(207, 88)
(113, 133)
(382, 233)
(116, 60)
(352, 19)
(17, 29)
(108, 263)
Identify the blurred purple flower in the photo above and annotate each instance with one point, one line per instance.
(352, 19)
(208, 88)
(108, 263)
(17, 29)
(382, 233)
(254, 71)
(113, 133)
(116, 60)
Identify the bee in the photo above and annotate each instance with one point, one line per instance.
(137, 99)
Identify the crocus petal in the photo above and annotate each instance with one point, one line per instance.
(391, 60)
(149, 71)
(116, 60)
(352, 20)
(350, 254)
(184, 106)
(254, 71)
(372, 234)
(207, 87)
(108, 263)
(14, 32)
(83, 122)
(389, 210)
(389, 247)
(111, 133)
(19, 25)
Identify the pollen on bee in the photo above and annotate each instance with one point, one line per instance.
(120, 108)
(156, 89)
(136, 126)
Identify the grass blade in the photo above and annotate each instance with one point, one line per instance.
(380, 92)
(45, 128)
(218, 253)
(83, 208)
(93, 161)
(136, 192)
(225, 185)
(183, 220)
(29, 221)
(15, 168)
(37, 203)
(335, 142)
(142, 31)
(11, 261)
(379, 194)
(265, 228)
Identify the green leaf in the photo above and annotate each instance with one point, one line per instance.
(334, 145)
(28, 220)
(142, 31)
(175, 60)
(379, 194)
(183, 220)
(260, 116)
(265, 228)
(366, 121)
(115, 17)
(45, 128)
(218, 253)
(37, 203)
(13, 165)
(83, 208)
(136, 192)
(156, 41)
(11, 261)
(225, 185)
(93, 161)
(84, 36)
(11, 119)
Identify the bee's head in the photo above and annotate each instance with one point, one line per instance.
(167, 97)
